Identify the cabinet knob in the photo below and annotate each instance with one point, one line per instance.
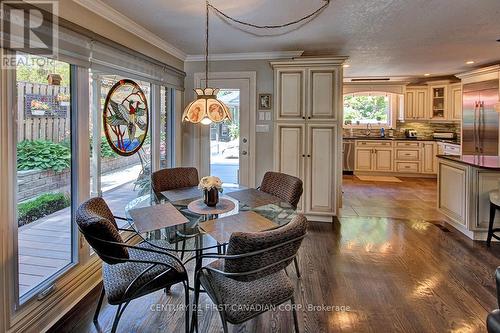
(303, 155)
(303, 117)
(308, 117)
(308, 155)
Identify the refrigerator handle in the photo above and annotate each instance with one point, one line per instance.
(482, 125)
(475, 126)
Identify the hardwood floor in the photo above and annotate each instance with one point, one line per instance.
(413, 274)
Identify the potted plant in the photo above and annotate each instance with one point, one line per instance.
(211, 187)
(39, 108)
(63, 99)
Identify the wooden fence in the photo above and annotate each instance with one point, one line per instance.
(50, 128)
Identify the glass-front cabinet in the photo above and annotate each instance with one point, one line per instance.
(439, 99)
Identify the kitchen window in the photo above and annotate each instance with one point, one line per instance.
(362, 109)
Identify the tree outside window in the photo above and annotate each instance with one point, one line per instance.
(362, 109)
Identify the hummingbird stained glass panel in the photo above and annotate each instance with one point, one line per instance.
(126, 117)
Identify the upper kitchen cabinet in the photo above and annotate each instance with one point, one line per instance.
(455, 101)
(416, 103)
(290, 94)
(438, 101)
(308, 89)
(322, 86)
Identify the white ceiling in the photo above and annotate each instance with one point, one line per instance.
(381, 37)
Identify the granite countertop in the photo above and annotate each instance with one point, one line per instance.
(455, 142)
(478, 161)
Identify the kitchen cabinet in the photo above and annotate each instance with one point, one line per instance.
(363, 160)
(416, 103)
(429, 152)
(308, 94)
(405, 157)
(320, 163)
(291, 147)
(455, 102)
(438, 102)
(290, 94)
(373, 155)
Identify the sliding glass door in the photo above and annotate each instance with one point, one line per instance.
(44, 191)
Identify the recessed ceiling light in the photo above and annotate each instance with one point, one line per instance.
(470, 62)
(427, 74)
(346, 66)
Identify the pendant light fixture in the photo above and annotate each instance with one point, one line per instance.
(206, 109)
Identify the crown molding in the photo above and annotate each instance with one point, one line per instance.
(109, 13)
(245, 56)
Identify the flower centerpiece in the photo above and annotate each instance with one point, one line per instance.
(211, 187)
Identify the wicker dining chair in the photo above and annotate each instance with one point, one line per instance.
(251, 273)
(174, 178)
(287, 188)
(493, 319)
(128, 271)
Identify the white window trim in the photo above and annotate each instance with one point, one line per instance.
(392, 114)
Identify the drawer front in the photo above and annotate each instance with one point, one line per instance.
(407, 154)
(452, 149)
(408, 144)
(407, 167)
(373, 143)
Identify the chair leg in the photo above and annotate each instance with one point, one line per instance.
(187, 308)
(99, 304)
(224, 322)
(194, 316)
(295, 319)
(117, 318)
(493, 210)
(296, 263)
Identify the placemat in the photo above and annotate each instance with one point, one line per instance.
(254, 198)
(221, 229)
(223, 206)
(156, 217)
(183, 193)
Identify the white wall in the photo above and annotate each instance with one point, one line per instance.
(264, 141)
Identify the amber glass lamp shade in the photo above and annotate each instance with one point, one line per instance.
(206, 109)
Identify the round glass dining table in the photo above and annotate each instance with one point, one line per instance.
(253, 210)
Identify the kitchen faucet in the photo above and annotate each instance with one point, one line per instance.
(368, 129)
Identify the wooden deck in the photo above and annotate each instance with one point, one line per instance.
(45, 245)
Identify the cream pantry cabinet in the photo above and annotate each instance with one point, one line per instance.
(309, 152)
(305, 93)
(307, 129)
(429, 152)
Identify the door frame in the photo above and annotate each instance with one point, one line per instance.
(200, 153)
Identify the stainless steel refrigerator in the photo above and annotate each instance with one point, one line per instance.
(480, 121)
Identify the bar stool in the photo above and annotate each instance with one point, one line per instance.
(494, 205)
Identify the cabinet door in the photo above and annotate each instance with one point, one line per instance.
(383, 159)
(290, 97)
(456, 102)
(420, 104)
(429, 164)
(321, 169)
(290, 156)
(409, 104)
(322, 94)
(363, 160)
(438, 102)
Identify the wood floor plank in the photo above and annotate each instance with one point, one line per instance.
(408, 273)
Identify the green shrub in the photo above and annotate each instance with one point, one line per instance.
(44, 155)
(106, 150)
(44, 205)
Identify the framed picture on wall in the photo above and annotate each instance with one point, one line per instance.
(265, 102)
